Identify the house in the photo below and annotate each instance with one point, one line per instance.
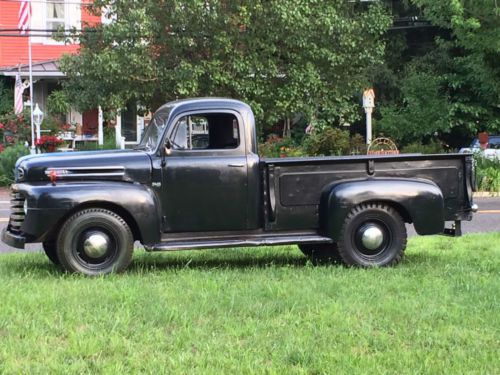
(48, 15)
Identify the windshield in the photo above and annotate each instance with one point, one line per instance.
(154, 130)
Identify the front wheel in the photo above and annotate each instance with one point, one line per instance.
(95, 241)
(49, 247)
(372, 235)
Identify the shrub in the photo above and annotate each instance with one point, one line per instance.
(8, 158)
(108, 144)
(433, 147)
(487, 173)
(6, 95)
(328, 141)
(358, 145)
(57, 103)
(276, 146)
(15, 128)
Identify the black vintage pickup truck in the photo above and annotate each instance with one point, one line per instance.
(196, 181)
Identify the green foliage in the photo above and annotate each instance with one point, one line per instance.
(108, 144)
(8, 158)
(276, 146)
(448, 80)
(15, 128)
(487, 173)
(6, 98)
(422, 112)
(433, 147)
(280, 56)
(357, 145)
(329, 141)
(257, 311)
(51, 125)
(57, 103)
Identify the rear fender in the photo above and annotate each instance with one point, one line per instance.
(421, 201)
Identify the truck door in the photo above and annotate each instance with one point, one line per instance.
(204, 181)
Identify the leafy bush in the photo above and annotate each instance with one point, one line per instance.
(276, 146)
(57, 103)
(328, 141)
(487, 173)
(433, 147)
(6, 95)
(358, 145)
(8, 160)
(15, 128)
(323, 142)
(109, 142)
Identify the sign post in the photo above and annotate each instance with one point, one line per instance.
(368, 105)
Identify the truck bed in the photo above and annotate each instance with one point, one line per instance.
(292, 187)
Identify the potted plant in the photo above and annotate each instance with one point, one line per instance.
(48, 143)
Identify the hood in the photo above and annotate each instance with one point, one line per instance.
(122, 165)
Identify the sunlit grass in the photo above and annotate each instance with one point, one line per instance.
(257, 311)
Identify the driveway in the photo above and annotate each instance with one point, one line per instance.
(486, 220)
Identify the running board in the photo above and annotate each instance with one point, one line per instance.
(205, 243)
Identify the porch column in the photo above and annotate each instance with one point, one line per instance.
(118, 130)
(100, 131)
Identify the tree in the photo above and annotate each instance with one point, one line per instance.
(450, 86)
(473, 77)
(280, 56)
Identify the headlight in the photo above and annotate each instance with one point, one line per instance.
(25, 206)
(20, 174)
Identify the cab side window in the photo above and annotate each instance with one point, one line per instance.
(213, 131)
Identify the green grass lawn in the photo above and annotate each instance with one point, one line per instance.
(258, 311)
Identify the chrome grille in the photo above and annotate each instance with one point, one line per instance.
(16, 211)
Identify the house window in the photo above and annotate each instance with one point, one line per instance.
(56, 15)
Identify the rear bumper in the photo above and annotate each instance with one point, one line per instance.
(12, 239)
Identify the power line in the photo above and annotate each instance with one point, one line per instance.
(48, 30)
(81, 3)
(35, 35)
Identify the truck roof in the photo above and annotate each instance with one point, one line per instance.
(205, 103)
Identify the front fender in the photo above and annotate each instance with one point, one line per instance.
(48, 205)
(421, 200)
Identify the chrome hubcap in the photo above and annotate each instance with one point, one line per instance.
(96, 245)
(372, 237)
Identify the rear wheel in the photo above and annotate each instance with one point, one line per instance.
(321, 253)
(49, 247)
(95, 241)
(372, 235)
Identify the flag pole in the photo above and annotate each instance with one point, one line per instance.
(33, 149)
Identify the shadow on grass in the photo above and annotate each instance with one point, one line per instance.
(40, 266)
(204, 260)
(214, 261)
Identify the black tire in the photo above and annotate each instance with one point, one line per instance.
(372, 235)
(321, 253)
(95, 241)
(49, 247)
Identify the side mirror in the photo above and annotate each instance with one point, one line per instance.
(168, 147)
(165, 151)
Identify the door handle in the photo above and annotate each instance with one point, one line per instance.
(235, 165)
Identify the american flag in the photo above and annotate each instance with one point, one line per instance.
(24, 16)
(18, 95)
